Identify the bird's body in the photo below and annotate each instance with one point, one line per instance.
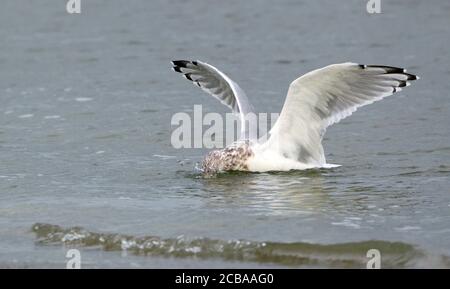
(314, 101)
(253, 157)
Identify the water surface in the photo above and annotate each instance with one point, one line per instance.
(86, 103)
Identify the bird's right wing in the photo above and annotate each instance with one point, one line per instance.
(324, 96)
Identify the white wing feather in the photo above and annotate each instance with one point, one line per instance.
(323, 97)
(219, 85)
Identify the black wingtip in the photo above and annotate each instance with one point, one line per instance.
(388, 69)
(180, 63)
(177, 69)
(411, 76)
(392, 70)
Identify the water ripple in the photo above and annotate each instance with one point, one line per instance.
(298, 254)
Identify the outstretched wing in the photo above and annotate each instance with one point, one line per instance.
(323, 97)
(219, 85)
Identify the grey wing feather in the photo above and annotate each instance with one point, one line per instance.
(217, 84)
(325, 96)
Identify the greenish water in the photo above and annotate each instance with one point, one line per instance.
(86, 104)
(344, 255)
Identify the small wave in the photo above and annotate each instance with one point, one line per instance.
(298, 254)
(164, 157)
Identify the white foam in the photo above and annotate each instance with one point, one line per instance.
(29, 115)
(52, 117)
(83, 99)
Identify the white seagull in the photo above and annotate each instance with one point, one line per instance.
(314, 101)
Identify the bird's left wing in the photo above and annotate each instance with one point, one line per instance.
(219, 85)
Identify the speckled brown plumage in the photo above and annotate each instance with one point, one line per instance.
(231, 158)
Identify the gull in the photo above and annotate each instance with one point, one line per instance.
(314, 101)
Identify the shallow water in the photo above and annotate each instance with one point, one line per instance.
(85, 137)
